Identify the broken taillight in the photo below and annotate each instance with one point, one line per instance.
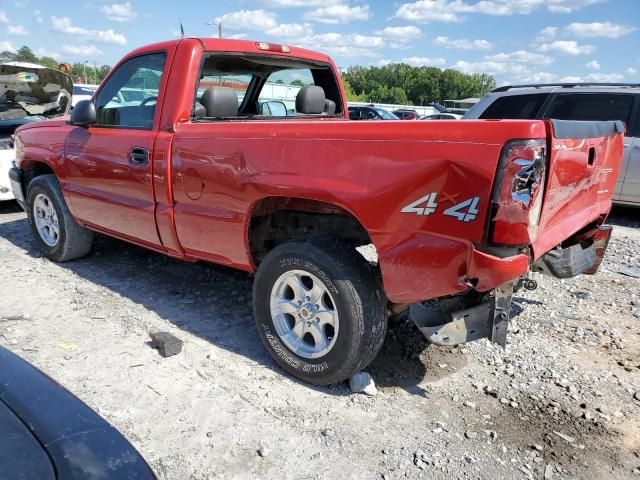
(517, 197)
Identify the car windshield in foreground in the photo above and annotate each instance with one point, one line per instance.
(385, 114)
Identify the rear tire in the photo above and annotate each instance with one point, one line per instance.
(56, 233)
(334, 319)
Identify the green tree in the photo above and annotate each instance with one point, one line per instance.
(297, 83)
(419, 85)
(25, 54)
(351, 96)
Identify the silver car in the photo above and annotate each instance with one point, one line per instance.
(582, 101)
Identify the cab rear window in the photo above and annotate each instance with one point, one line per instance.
(515, 107)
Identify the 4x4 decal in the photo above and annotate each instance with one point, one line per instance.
(429, 202)
(465, 211)
(457, 211)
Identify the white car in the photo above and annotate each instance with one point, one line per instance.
(82, 91)
(28, 93)
(442, 116)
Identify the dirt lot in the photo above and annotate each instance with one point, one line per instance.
(558, 403)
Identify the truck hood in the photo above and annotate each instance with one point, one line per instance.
(30, 90)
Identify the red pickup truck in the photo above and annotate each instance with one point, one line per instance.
(241, 153)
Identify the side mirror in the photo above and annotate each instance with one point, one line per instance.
(274, 109)
(83, 114)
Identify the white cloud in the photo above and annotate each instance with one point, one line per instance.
(631, 71)
(568, 47)
(64, 25)
(400, 34)
(288, 30)
(604, 77)
(17, 30)
(248, 20)
(423, 61)
(538, 77)
(81, 50)
(599, 29)
(547, 34)
(3, 17)
(237, 36)
(521, 56)
(344, 45)
(37, 14)
(43, 52)
(463, 43)
(519, 66)
(119, 12)
(339, 13)
(571, 79)
(593, 65)
(7, 46)
(516, 72)
(383, 62)
(568, 6)
(454, 10)
(301, 3)
(21, 3)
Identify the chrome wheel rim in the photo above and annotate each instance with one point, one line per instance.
(46, 220)
(304, 314)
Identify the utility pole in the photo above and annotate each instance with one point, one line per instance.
(84, 71)
(219, 25)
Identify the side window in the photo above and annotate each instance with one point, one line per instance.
(591, 106)
(515, 107)
(278, 94)
(129, 97)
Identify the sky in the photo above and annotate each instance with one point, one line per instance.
(516, 41)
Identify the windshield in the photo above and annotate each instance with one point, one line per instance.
(385, 114)
(82, 90)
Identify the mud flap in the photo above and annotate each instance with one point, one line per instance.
(488, 319)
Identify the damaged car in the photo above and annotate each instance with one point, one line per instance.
(28, 93)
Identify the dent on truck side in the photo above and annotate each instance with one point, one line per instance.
(365, 171)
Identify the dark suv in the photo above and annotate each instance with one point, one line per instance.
(576, 102)
(406, 114)
(370, 113)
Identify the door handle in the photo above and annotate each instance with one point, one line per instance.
(138, 156)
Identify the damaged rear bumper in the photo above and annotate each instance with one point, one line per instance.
(443, 323)
(472, 316)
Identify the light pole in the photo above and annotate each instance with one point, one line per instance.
(219, 25)
(84, 71)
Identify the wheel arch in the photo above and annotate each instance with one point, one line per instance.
(275, 219)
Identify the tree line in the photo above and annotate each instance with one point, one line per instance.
(395, 83)
(80, 72)
(407, 85)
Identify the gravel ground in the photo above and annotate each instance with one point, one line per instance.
(557, 403)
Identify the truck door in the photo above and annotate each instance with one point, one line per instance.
(109, 166)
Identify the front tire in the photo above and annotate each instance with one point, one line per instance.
(56, 233)
(320, 310)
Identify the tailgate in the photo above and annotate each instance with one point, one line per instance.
(584, 160)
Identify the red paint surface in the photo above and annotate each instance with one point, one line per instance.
(194, 199)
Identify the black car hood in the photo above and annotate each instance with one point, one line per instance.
(79, 443)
